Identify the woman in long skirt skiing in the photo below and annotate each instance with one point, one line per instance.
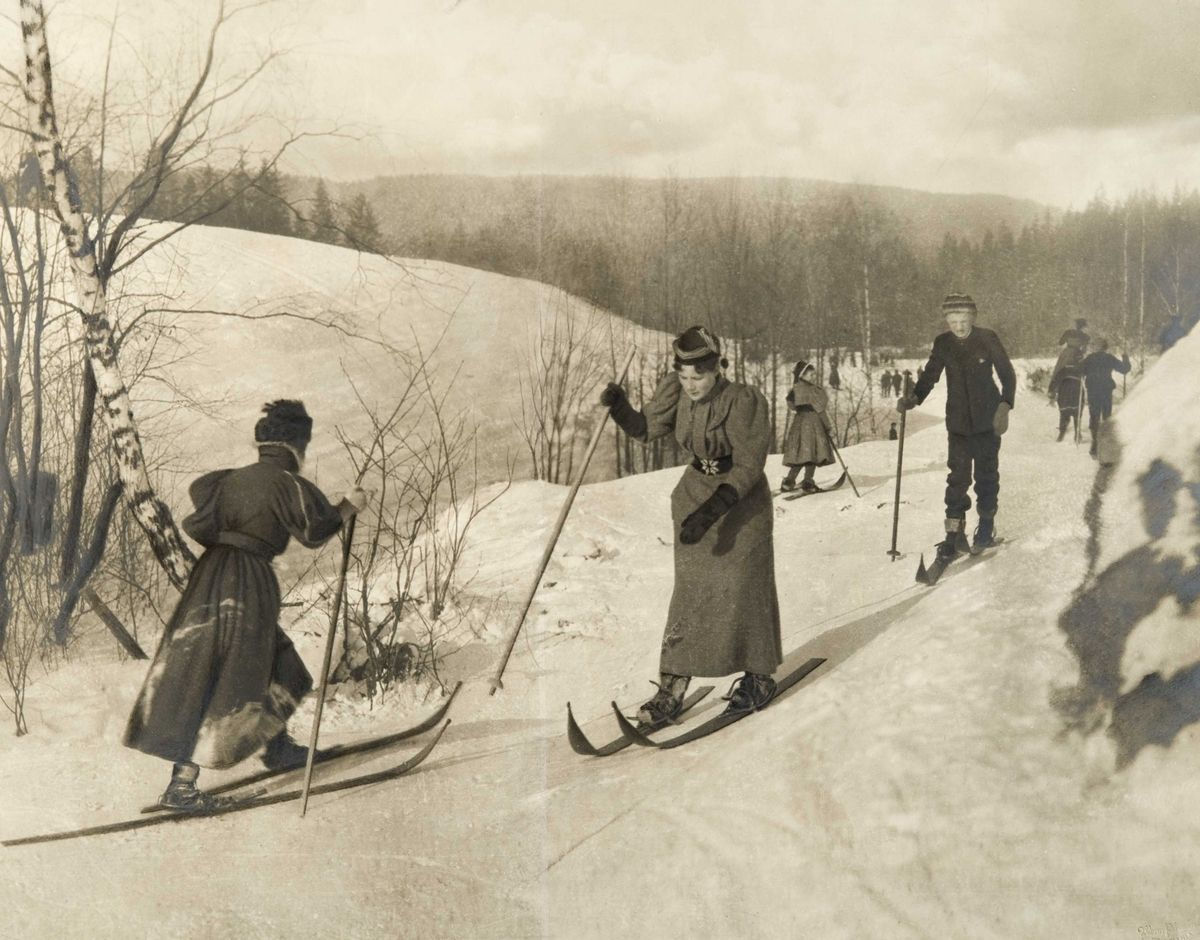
(226, 678)
(806, 446)
(724, 612)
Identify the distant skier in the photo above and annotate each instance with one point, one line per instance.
(885, 383)
(226, 678)
(976, 417)
(1065, 387)
(835, 380)
(1098, 368)
(1172, 333)
(806, 446)
(893, 434)
(1076, 338)
(724, 612)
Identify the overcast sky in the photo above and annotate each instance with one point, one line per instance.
(1049, 99)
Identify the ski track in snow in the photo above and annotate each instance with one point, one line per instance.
(918, 784)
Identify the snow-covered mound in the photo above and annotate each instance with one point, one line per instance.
(919, 784)
(1134, 623)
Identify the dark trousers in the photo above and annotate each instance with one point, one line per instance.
(1099, 409)
(973, 456)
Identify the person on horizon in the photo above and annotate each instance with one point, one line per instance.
(226, 678)
(724, 611)
(885, 383)
(976, 418)
(835, 380)
(806, 445)
(1098, 368)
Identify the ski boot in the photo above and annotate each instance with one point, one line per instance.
(750, 693)
(283, 753)
(183, 796)
(985, 534)
(787, 485)
(809, 485)
(955, 543)
(667, 702)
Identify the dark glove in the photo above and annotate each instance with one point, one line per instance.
(1000, 418)
(907, 402)
(612, 394)
(708, 512)
(628, 418)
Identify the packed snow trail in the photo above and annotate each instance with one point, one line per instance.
(916, 785)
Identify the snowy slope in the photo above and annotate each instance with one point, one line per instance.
(243, 310)
(920, 784)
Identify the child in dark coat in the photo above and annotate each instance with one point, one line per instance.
(806, 445)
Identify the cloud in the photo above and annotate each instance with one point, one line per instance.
(1050, 100)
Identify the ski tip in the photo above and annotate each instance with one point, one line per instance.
(922, 571)
(629, 730)
(577, 739)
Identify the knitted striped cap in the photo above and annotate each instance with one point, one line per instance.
(958, 303)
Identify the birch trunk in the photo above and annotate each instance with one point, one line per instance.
(151, 513)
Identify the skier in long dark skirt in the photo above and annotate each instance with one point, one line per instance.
(724, 612)
(976, 417)
(806, 445)
(1065, 386)
(226, 678)
(1098, 368)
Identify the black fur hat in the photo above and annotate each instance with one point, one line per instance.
(284, 422)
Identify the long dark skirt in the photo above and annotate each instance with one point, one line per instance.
(225, 678)
(724, 614)
(806, 441)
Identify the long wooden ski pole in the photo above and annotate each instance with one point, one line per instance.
(896, 503)
(558, 527)
(324, 684)
(838, 454)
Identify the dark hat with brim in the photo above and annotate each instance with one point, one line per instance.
(695, 343)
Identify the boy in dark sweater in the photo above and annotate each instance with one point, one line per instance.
(976, 417)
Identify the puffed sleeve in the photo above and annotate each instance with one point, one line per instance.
(660, 410)
(202, 525)
(304, 511)
(749, 430)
